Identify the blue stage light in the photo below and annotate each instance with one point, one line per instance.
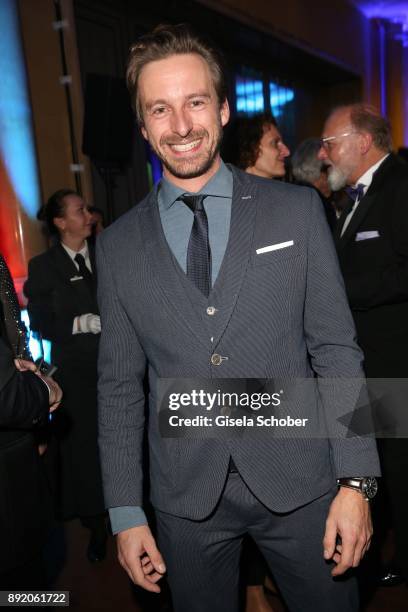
(17, 148)
(279, 96)
(396, 10)
(249, 96)
(38, 349)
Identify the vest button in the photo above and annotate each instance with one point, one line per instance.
(216, 359)
(211, 311)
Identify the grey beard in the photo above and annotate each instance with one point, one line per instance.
(336, 178)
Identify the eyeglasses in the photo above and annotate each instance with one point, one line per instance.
(327, 141)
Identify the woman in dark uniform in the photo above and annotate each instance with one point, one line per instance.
(61, 292)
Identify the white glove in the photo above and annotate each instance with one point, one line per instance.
(87, 324)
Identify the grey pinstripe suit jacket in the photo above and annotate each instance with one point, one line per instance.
(283, 313)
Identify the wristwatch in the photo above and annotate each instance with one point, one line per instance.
(367, 486)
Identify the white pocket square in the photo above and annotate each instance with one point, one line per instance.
(367, 235)
(274, 247)
(76, 278)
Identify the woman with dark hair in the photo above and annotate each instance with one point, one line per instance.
(14, 328)
(61, 292)
(25, 401)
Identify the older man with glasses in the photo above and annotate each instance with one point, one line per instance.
(372, 244)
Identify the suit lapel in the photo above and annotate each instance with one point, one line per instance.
(165, 267)
(365, 204)
(340, 223)
(357, 218)
(237, 255)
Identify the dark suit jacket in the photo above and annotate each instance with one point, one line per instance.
(375, 270)
(327, 205)
(279, 313)
(56, 295)
(24, 499)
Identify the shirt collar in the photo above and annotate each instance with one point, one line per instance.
(367, 177)
(219, 185)
(84, 251)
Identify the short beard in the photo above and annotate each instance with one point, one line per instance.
(336, 178)
(191, 169)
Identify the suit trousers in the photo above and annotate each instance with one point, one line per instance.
(394, 456)
(203, 557)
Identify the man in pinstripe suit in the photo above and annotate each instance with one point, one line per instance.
(275, 307)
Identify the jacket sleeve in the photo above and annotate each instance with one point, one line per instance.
(335, 356)
(121, 399)
(40, 294)
(38, 291)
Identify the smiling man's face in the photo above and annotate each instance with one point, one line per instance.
(182, 118)
(270, 162)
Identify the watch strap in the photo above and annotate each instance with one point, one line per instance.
(360, 484)
(352, 483)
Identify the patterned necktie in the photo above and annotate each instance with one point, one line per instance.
(198, 252)
(355, 193)
(83, 270)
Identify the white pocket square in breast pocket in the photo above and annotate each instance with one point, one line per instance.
(274, 247)
(367, 235)
(76, 278)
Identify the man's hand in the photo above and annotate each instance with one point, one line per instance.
(23, 365)
(55, 392)
(140, 557)
(350, 519)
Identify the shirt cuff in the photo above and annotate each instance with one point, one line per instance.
(125, 517)
(75, 329)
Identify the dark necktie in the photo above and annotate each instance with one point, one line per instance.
(198, 251)
(355, 193)
(83, 270)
